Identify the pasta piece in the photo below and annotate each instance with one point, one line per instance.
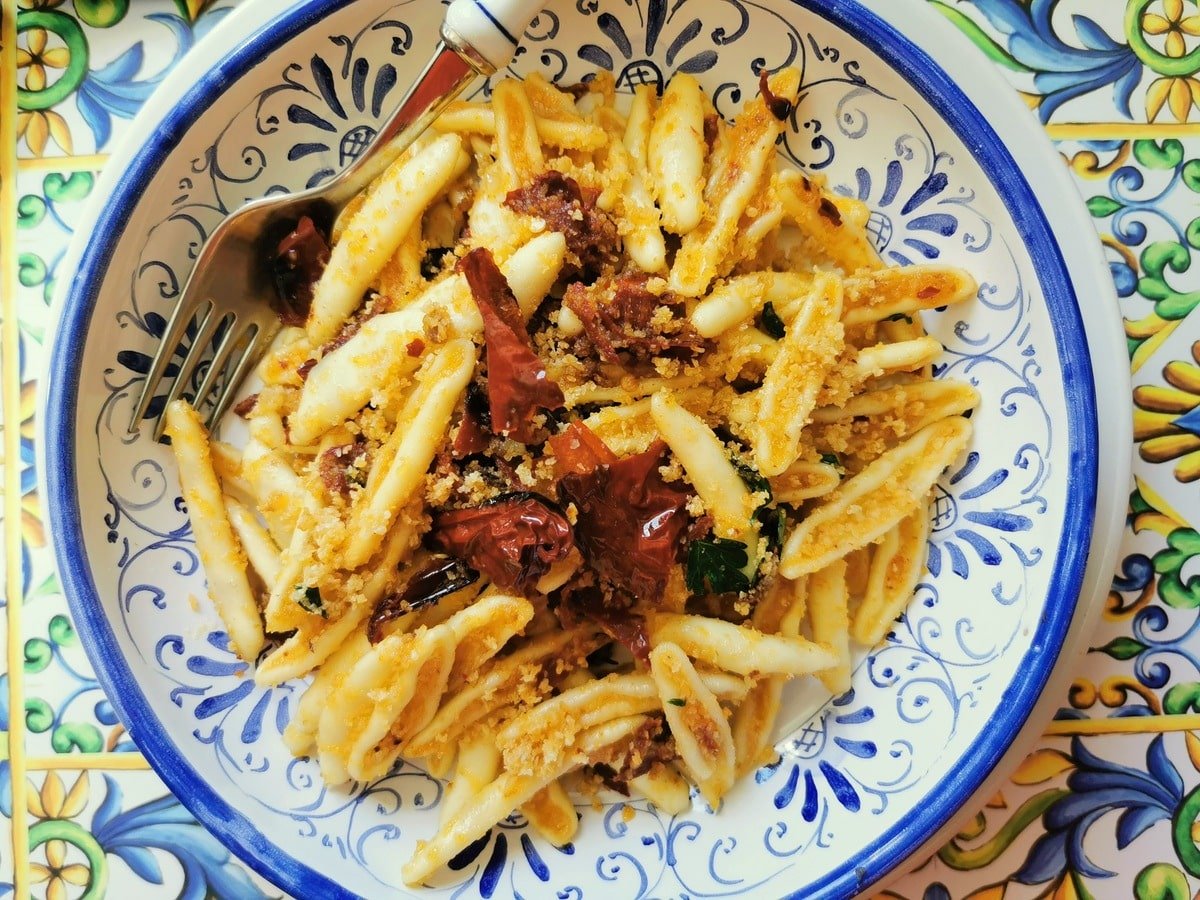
(830, 619)
(440, 764)
(288, 350)
(566, 134)
(665, 788)
(518, 151)
(863, 508)
(477, 766)
(400, 279)
(739, 299)
(532, 740)
(707, 464)
(393, 689)
(916, 404)
(858, 567)
(317, 638)
(499, 685)
(220, 553)
(482, 629)
(736, 648)
(631, 389)
(896, 567)
(790, 387)
(393, 207)
(399, 468)
(506, 793)
(644, 240)
(227, 463)
(880, 419)
(779, 612)
(904, 291)
(345, 380)
(702, 736)
(552, 814)
(260, 549)
(300, 735)
(282, 612)
(706, 252)
(628, 428)
(804, 481)
(822, 221)
(906, 356)
(473, 636)
(276, 489)
(675, 154)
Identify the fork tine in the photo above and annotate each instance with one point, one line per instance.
(254, 337)
(232, 337)
(204, 333)
(181, 317)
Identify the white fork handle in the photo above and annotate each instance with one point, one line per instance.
(491, 28)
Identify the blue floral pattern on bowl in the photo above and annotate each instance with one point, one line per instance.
(857, 766)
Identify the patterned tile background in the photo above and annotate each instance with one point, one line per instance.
(1106, 807)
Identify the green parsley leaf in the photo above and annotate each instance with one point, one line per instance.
(771, 323)
(715, 567)
(832, 459)
(753, 480)
(677, 701)
(309, 599)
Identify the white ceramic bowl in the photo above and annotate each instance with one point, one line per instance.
(891, 113)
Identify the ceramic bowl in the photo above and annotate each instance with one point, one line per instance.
(896, 110)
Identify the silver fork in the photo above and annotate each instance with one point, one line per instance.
(228, 292)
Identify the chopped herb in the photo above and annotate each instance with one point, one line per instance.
(677, 701)
(753, 479)
(310, 600)
(715, 566)
(897, 317)
(832, 459)
(771, 323)
(774, 526)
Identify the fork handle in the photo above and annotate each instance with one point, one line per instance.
(489, 29)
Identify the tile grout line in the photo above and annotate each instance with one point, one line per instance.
(85, 163)
(10, 376)
(1094, 131)
(116, 762)
(1155, 724)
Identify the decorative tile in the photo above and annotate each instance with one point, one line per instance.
(1143, 197)
(120, 834)
(1143, 656)
(1099, 817)
(78, 72)
(65, 709)
(1080, 61)
(49, 205)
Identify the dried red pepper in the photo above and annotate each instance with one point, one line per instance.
(518, 386)
(514, 540)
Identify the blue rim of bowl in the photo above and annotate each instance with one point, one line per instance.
(235, 830)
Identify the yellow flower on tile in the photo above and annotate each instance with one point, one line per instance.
(1178, 94)
(38, 127)
(54, 801)
(1175, 91)
(1174, 24)
(37, 56)
(57, 873)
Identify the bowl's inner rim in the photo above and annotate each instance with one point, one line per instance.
(895, 50)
